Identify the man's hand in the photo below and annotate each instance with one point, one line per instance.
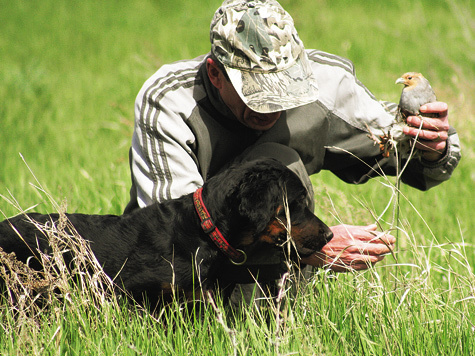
(432, 138)
(352, 248)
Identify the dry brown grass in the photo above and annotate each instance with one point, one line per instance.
(30, 292)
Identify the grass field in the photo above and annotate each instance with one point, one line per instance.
(69, 74)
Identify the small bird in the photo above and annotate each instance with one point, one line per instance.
(416, 92)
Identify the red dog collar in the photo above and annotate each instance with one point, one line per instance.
(237, 257)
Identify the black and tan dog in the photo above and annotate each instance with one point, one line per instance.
(151, 248)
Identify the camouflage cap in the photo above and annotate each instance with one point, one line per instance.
(265, 59)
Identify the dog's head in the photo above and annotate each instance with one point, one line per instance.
(259, 201)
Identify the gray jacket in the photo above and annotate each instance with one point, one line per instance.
(184, 133)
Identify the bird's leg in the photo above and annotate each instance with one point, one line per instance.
(386, 144)
(385, 141)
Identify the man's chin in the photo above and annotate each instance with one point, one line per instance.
(261, 125)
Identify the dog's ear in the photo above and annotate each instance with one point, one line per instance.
(259, 199)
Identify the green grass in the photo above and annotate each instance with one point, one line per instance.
(69, 74)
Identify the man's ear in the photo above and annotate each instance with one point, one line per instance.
(215, 75)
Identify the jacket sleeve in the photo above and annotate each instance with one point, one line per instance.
(356, 160)
(162, 161)
(355, 114)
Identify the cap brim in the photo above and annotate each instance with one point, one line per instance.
(275, 91)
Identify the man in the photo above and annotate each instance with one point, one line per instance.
(259, 93)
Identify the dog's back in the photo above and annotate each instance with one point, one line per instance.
(26, 233)
(146, 251)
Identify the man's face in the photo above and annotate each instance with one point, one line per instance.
(243, 113)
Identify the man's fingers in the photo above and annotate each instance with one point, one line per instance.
(431, 146)
(436, 107)
(425, 123)
(428, 141)
(371, 227)
(367, 234)
(359, 263)
(354, 248)
(369, 249)
(427, 135)
(384, 238)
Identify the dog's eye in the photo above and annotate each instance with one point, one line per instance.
(281, 238)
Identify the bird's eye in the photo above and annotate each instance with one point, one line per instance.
(410, 78)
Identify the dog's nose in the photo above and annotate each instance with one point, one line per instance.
(328, 236)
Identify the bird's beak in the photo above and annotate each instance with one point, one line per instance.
(400, 81)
